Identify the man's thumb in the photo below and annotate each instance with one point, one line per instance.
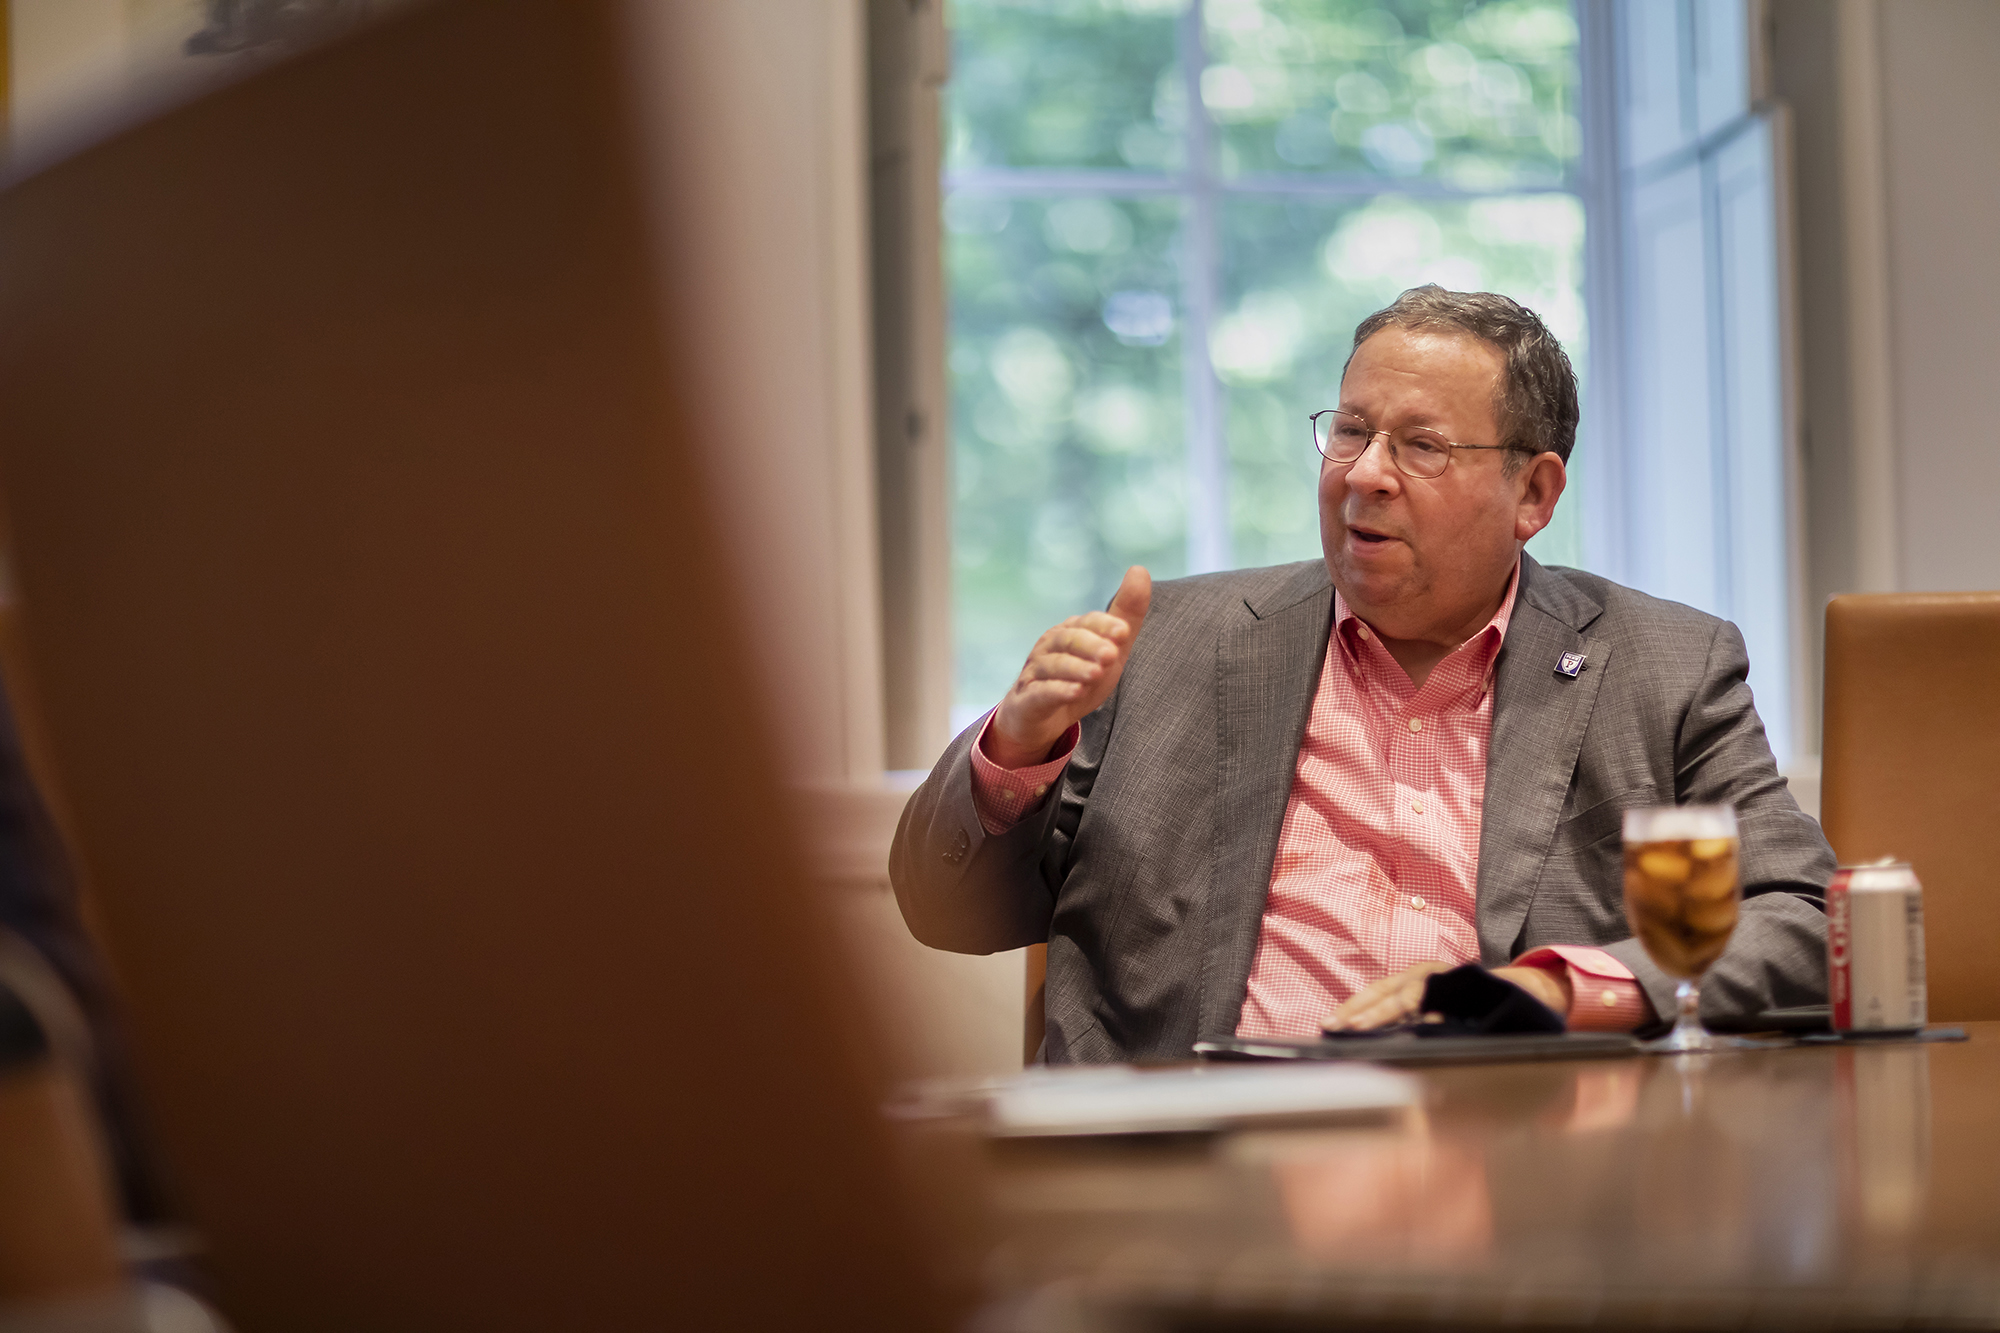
(1134, 596)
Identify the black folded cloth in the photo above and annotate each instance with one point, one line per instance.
(1472, 1002)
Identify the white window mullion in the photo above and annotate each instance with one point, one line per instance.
(1598, 468)
(1721, 353)
(1201, 267)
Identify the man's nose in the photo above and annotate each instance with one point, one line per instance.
(1374, 470)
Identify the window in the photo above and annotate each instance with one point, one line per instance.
(1164, 218)
(1701, 437)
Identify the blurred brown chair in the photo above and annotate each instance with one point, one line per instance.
(1912, 770)
(390, 665)
(1034, 1019)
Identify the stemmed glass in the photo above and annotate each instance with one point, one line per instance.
(1681, 896)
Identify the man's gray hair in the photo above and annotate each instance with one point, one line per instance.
(1537, 406)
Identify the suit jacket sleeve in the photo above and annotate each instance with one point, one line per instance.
(963, 889)
(1777, 957)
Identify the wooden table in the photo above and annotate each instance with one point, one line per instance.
(1807, 1187)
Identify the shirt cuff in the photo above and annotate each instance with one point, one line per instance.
(1604, 995)
(1004, 796)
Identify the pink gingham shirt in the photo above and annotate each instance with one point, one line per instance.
(1378, 857)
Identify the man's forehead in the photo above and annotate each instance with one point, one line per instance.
(1437, 363)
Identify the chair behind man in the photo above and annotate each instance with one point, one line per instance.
(1912, 770)
(390, 671)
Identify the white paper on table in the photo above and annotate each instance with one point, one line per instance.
(1119, 1099)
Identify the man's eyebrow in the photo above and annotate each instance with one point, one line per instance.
(1416, 421)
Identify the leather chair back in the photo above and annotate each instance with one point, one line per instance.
(1912, 770)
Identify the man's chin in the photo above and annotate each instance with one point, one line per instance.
(1371, 580)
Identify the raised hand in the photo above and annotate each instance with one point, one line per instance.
(1072, 669)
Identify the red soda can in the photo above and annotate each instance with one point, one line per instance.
(1875, 948)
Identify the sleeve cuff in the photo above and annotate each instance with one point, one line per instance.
(1004, 796)
(1604, 995)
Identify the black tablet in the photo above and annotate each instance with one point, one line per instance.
(1406, 1048)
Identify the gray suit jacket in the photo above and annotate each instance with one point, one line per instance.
(1146, 871)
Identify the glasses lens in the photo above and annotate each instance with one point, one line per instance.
(1340, 436)
(1422, 453)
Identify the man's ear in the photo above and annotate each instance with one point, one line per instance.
(1537, 488)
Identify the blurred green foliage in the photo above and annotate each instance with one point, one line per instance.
(1067, 313)
(1482, 96)
(1065, 83)
(1070, 459)
(1300, 273)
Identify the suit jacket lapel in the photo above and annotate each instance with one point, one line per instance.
(1539, 718)
(1267, 668)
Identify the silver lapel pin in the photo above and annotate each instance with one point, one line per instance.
(1569, 664)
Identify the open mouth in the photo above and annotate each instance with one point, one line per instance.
(1362, 534)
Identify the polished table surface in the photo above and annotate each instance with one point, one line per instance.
(1850, 1186)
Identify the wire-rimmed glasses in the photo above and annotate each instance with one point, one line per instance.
(1342, 437)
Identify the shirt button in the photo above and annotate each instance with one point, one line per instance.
(1609, 999)
(1361, 632)
(1416, 724)
(1042, 790)
(1417, 806)
(1417, 903)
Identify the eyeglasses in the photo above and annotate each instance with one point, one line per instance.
(1342, 437)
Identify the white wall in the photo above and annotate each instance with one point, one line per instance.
(1941, 111)
(1895, 177)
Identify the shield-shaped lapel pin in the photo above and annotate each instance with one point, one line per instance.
(1569, 664)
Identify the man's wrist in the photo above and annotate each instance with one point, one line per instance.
(1550, 985)
(1009, 753)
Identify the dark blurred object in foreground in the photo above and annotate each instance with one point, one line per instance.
(38, 902)
(58, 1219)
(394, 680)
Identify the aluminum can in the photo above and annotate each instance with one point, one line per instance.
(1875, 948)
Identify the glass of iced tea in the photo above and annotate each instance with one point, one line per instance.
(1681, 896)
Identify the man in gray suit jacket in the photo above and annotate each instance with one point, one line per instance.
(1147, 864)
